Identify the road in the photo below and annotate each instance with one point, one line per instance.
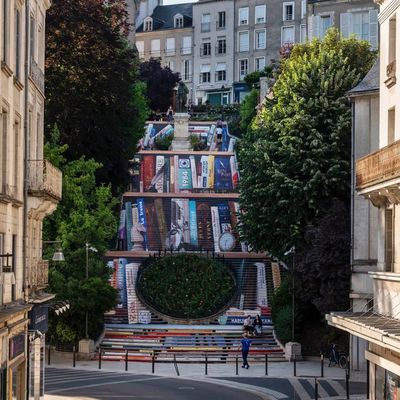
(102, 385)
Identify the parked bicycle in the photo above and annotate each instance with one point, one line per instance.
(337, 357)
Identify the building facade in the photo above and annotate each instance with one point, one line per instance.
(354, 17)
(377, 179)
(167, 34)
(213, 24)
(261, 29)
(30, 188)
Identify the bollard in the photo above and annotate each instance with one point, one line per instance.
(206, 366)
(367, 379)
(266, 364)
(294, 365)
(237, 365)
(348, 365)
(347, 384)
(73, 356)
(316, 389)
(126, 360)
(322, 365)
(100, 358)
(152, 363)
(48, 355)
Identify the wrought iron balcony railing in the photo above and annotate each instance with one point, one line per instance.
(39, 274)
(44, 179)
(37, 75)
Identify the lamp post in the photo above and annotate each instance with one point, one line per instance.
(91, 248)
(292, 252)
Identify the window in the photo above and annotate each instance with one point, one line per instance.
(260, 12)
(187, 45)
(303, 8)
(220, 72)
(244, 16)
(171, 64)
(140, 48)
(243, 68)
(205, 49)
(389, 239)
(392, 40)
(16, 158)
(206, 22)
(326, 23)
(259, 39)
(287, 35)
(187, 70)
(155, 48)
(221, 20)
(17, 38)
(288, 11)
(170, 47)
(148, 24)
(33, 38)
(391, 125)
(363, 24)
(221, 46)
(178, 21)
(5, 31)
(244, 41)
(303, 33)
(259, 64)
(205, 73)
(3, 149)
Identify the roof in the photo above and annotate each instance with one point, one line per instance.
(163, 16)
(369, 83)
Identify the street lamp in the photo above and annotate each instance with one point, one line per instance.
(58, 254)
(292, 252)
(91, 248)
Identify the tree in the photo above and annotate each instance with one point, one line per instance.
(248, 109)
(85, 214)
(91, 91)
(296, 157)
(160, 83)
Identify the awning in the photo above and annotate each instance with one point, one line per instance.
(205, 68)
(220, 67)
(376, 328)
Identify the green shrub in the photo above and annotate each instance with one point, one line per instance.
(186, 286)
(164, 143)
(197, 143)
(283, 324)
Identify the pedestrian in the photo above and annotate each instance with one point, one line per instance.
(247, 325)
(245, 347)
(333, 355)
(170, 114)
(257, 325)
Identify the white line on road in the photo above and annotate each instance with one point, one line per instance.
(299, 389)
(337, 387)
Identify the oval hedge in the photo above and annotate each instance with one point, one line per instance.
(186, 286)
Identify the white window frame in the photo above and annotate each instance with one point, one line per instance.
(255, 39)
(241, 77)
(248, 41)
(303, 8)
(187, 49)
(154, 52)
(218, 20)
(264, 14)
(205, 26)
(178, 21)
(148, 24)
(285, 16)
(294, 33)
(243, 21)
(140, 48)
(186, 78)
(256, 69)
(171, 65)
(303, 36)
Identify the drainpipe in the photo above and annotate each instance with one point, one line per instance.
(26, 152)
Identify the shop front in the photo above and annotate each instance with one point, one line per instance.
(17, 366)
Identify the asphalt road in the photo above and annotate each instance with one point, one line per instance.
(101, 385)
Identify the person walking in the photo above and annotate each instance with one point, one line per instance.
(245, 347)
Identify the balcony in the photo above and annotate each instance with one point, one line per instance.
(44, 180)
(186, 50)
(37, 75)
(390, 74)
(39, 274)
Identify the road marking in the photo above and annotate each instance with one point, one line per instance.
(299, 389)
(337, 387)
(80, 377)
(321, 390)
(106, 383)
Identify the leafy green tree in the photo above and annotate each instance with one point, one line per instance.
(160, 84)
(248, 110)
(296, 157)
(85, 214)
(91, 91)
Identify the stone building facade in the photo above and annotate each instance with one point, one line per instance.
(30, 188)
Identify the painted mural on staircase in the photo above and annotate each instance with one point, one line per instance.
(186, 201)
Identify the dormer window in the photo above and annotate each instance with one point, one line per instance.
(178, 21)
(148, 24)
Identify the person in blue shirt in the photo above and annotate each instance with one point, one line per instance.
(245, 347)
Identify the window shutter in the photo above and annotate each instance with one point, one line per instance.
(243, 41)
(373, 28)
(345, 24)
(187, 42)
(316, 23)
(170, 44)
(140, 47)
(155, 45)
